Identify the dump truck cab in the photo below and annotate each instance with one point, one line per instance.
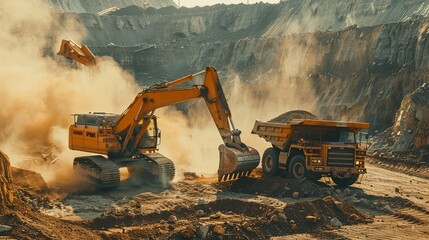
(306, 148)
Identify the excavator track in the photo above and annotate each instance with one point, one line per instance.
(165, 170)
(152, 167)
(98, 171)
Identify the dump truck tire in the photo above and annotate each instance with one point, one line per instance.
(270, 162)
(345, 182)
(297, 167)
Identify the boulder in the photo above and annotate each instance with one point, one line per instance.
(219, 230)
(202, 231)
(336, 223)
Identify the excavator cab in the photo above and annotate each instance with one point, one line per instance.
(150, 139)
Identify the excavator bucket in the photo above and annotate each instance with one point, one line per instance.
(235, 163)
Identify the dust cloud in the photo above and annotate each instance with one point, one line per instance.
(39, 91)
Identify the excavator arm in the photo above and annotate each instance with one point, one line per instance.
(236, 159)
(71, 50)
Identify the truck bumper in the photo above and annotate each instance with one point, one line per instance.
(336, 170)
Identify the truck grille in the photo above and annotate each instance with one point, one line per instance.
(341, 157)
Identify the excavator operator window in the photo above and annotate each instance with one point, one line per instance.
(149, 139)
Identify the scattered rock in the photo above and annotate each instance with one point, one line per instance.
(354, 217)
(202, 231)
(387, 208)
(172, 219)
(347, 190)
(5, 228)
(190, 175)
(216, 215)
(202, 201)
(249, 229)
(282, 217)
(364, 201)
(339, 205)
(311, 219)
(295, 195)
(336, 223)
(200, 213)
(351, 199)
(293, 227)
(274, 218)
(187, 233)
(219, 230)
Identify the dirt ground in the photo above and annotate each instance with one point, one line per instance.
(385, 202)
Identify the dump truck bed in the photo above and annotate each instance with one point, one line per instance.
(280, 134)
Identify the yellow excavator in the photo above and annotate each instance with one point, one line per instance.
(130, 139)
(71, 50)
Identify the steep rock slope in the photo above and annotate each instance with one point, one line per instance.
(135, 26)
(95, 6)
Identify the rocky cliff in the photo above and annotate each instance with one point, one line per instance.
(96, 6)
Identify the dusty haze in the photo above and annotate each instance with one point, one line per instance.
(38, 92)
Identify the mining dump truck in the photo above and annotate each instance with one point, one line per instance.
(311, 148)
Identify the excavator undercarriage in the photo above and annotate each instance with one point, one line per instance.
(104, 172)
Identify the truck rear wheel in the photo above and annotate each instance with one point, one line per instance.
(345, 182)
(270, 162)
(297, 167)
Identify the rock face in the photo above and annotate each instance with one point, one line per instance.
(412, 121)
(6, 193)
(95, 6)
(410, 131)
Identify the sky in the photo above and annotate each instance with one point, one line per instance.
(193, 3)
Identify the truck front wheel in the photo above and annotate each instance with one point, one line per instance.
(270, 162)
(345, 182)
(297, 167)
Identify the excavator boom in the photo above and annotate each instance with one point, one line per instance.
(236, 159)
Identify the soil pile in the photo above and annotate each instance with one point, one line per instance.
(297, 114)
(7, 192)
(28, 179)
(278, 187)
(237, 219)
